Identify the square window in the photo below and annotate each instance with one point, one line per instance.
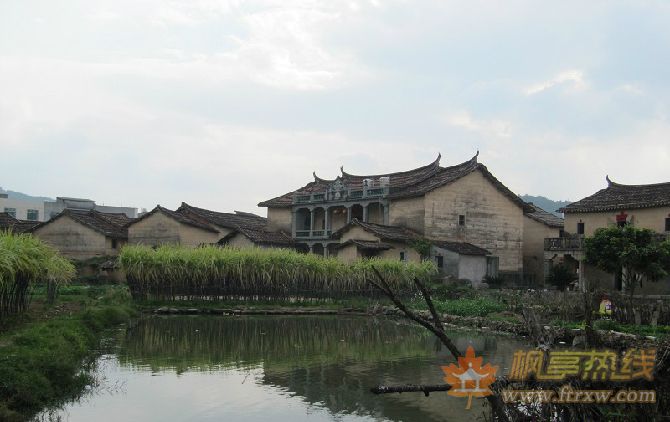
(402, 256)
(667, 224)
(440, 261)
(11, 211)
(461, 220)
(114, 245)
(580, 228)
(33, 215)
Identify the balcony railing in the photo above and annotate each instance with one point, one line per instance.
(343, 195)
(573, 243)
(312, 234)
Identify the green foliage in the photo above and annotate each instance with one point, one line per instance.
(41, 364)
(24, 261)
(174, 272)
(422, 247)
(479, 307)
(636, 253)
(560, 276)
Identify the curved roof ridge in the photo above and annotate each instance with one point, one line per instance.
(433, 165)
(611, 183)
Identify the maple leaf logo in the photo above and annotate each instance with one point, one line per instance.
(469, 378)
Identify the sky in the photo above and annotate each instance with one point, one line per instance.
(225, 103)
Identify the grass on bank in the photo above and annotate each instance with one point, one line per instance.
(41, 362)
(25, 261)
(176, 273)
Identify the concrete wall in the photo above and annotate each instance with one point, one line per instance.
(358, 233)
(241, 241)
(158, 229)
(492, 220)
(410, 213)
(472, 267)
(76, 241)
(22, 206)
(649, 218)
(279, 219)
(534, 234)
(348, 253)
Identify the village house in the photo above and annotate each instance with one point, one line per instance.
(80, 235)
(643, 206)
(463, 203)
(192, 226)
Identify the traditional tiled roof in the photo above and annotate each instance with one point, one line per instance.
(366, 244)
(175, 216)
(262, 237)
(222, 219)
(389, 233)
(462, 248)
(253, 226)
(7, 222)
(544, 217)
(405, 184)
(622, 197)
(109, 224)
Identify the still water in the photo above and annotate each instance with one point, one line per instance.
(293, 368)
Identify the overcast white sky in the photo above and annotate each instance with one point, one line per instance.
(224, 103)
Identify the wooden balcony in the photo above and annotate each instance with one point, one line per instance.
(342, 196)
(558, 244)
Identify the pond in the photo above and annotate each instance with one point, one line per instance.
(269, 368)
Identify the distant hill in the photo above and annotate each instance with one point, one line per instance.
(546, 203)
(24, 197)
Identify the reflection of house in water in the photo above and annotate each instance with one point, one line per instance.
(329, 362)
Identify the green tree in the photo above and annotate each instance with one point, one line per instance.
(632, 254)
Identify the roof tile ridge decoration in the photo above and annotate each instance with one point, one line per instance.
(435, 165)
(617, 196)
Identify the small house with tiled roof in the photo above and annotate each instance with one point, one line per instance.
(645, 206)
(538, 225)
(162, 226)
(193, 226)
(458, 260)
(460, 203)
(642, 206)
(8, 222)
(81, 235)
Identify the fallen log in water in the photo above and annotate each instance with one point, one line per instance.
(410, 388)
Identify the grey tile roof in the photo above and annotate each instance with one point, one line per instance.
(366, 244)
(462, 248)
(7, 222)
(389, 233)
(176, 216)
(622, 197)
(108, 224)
(544, 217)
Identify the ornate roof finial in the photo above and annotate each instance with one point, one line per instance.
(342, 169)
(609, 182)
(315, 177)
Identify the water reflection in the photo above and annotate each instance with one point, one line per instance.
(279, 368)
